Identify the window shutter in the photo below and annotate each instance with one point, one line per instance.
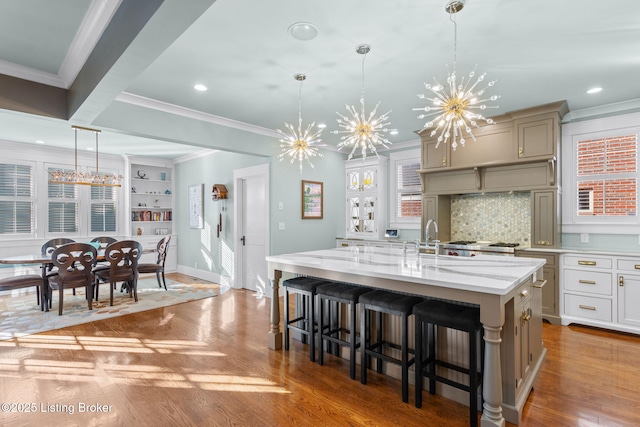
(63, 208)
(103, 209)
(16, 199)
(409, 196)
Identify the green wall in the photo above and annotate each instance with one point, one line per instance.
(203, 250)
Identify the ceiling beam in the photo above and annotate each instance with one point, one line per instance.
(138, 34)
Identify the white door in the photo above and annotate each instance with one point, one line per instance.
(252, 233)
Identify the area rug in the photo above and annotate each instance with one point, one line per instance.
(20, 315)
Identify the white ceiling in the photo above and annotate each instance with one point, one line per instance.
(539, 51)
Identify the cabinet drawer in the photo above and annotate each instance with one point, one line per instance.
(629, 264)
(587, 261)
(593, 282)
(549, 258)
(523, 292)
(587, 307)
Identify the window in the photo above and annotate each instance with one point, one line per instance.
(601, 175)
(406, 191)
(103, 209)
(17, 199)
(606, 176)
(63, 207)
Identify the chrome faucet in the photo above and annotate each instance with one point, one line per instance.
(426, 233)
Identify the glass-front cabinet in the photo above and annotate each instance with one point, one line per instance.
(366, 196)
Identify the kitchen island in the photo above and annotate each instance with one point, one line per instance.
(507, 290)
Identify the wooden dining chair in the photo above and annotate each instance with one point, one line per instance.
(158, 267)
(123, 259)
(104, 241)
(74, 264)
(23, 281)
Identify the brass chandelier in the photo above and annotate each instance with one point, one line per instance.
(298, 144)
(458, 106)
(362, 131)
(76, 177)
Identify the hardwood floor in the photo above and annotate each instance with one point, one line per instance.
(206, 363)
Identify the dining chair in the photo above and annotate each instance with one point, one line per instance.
(74, 264)
(123, 259)
(104, 241)
(158, 267)
(48, 248)
(24, 281)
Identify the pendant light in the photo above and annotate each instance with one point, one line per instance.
(76, 177)
(362, 131)
(458, 106)
(298, 144)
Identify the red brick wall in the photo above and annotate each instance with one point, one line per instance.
(609, 156)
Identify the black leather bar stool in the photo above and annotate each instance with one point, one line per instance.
(395, 304)
(305, 323)
(429, 315)
(333, 331)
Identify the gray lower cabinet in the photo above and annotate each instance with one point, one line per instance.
(544, 218)
(550, 293)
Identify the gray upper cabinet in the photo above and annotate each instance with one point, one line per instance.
(517, 137)
(434, 157)
(520, 152)
(536, 137)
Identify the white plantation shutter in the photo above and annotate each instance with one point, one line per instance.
(17, 199)
(63, 207)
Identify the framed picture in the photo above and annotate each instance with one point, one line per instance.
(312, 200)
(196, 209)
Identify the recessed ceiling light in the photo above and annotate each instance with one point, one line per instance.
(39, 141)
(200, 87)
(322, 125)
(393, 132)
(303, 31)
(594, 90)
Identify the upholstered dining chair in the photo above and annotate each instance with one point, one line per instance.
(53, 244)
(23, 281)
(103, 241)
(123, 259)
(74, 265)
(49, 247)
(158, 267)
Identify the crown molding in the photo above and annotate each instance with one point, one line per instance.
(91, 29)
(153, 104)
(602, 111)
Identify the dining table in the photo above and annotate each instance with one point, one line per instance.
(45, 261)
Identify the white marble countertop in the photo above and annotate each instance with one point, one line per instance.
(494, 275)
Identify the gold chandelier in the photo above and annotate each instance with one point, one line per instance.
(457, 106)
(298, 144)
(76, 177)
(361, 130)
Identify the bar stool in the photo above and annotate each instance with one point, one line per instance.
(430, 314)
(305, 323)
(395, 304)
(339, 293)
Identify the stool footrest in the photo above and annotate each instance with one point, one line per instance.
(377, 349)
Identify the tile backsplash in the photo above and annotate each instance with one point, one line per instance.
(497, 217)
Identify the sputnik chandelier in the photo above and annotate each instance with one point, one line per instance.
(297, 144)
(77, 177)
(362, 131)
(457, 106)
